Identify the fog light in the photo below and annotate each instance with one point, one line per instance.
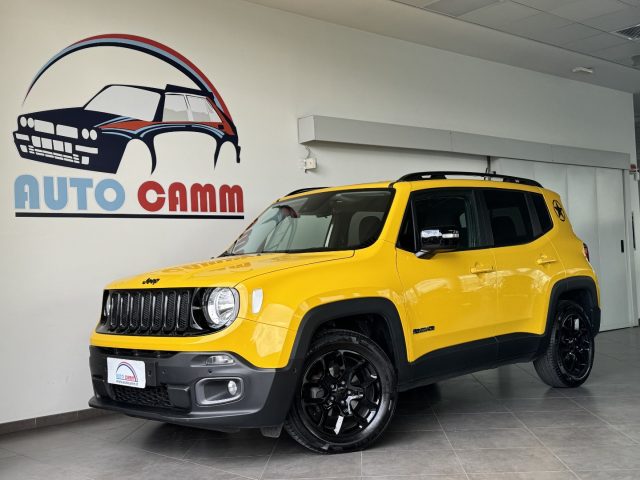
(232, 387)
(221, 359)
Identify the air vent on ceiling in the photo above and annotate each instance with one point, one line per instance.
(632, 33)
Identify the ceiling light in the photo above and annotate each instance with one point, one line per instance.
(588, 70)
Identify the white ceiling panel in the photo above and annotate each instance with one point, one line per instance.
(626, 50)
(596, 43)
(616, 20)
(584, 9)
(568, 34)
(455, 8)
(533, 24)
(394, 19)
(545, 5)
(498, 14)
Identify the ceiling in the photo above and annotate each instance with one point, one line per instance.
(585, 26)
(549, 36)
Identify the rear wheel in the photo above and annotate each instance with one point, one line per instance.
(568, 360)
(347, 394)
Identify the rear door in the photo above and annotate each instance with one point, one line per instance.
(451, 295)
(526, 266)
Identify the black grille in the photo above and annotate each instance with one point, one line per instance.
(148, 397)
(156, 312)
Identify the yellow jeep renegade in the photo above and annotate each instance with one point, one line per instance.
(335, 299)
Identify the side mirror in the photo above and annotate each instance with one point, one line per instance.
(437, 240)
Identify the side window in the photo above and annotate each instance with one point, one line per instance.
(509, 215)
(175, 109)
(448, 209)
(201, 110)
(542, 212)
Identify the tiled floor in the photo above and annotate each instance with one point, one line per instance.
(501, 424)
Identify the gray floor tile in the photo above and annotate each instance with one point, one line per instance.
(441, 462)
(509, 460)
(590, 389)
(476, 421)
(409, 423)
(250, 444)
(413, 408)
(250, 467)
(419, 477)
(6, 453)
(559, 419)
(496, 438)
(109, 427)
(524, 476)
(581, 436)
(544, 404)
(610, 475)
(18, 467)
(163, 438)
(632, 431)
(600, 458)
(314, 466)
(615, 410)
(419, 441)
(35, 443)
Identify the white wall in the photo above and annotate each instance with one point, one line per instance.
(271, 68)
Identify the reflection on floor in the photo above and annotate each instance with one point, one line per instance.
(500, 424)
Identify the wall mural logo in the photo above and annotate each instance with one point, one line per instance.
(94, 138)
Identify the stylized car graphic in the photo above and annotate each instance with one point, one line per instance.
(94, 137)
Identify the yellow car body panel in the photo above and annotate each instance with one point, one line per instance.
(456, 294)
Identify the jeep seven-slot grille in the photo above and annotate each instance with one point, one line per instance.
(148, 397)
(159, 312)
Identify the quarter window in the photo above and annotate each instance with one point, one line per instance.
(542, 212)
(202, 110)
(175, 109)
(509, 216)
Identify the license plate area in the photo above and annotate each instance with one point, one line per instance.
(125, 372)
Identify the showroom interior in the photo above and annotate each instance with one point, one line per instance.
(303, 94)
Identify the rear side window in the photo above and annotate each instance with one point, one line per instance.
(540, 206)
(509, 216)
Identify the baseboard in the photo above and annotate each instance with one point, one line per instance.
(49, 420)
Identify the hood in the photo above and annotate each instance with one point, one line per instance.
(225, 271)
(74, 117)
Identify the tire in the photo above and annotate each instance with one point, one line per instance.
(568, 359)
(348, 376)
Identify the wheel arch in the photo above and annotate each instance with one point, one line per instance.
(580, 289)
(350, 313)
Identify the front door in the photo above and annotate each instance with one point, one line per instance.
(451, 295)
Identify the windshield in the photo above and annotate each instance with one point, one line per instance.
(126, 101)
(339, 220)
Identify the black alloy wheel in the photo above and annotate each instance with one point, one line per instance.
(568, 359)
(346, 395)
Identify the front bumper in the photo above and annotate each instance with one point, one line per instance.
(170, 394)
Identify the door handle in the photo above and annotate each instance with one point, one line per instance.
(544, 260)
(478, 269)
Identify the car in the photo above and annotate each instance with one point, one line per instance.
(95, 136)
(335, 300)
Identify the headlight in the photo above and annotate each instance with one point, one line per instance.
(23, 122)
(85, 133)
(220, 306)
(93, 134)
(30, 122)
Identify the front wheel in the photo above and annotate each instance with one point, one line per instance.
(568, 360)
(347, 394)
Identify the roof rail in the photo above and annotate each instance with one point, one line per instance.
(302, 190)
(442, 175)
